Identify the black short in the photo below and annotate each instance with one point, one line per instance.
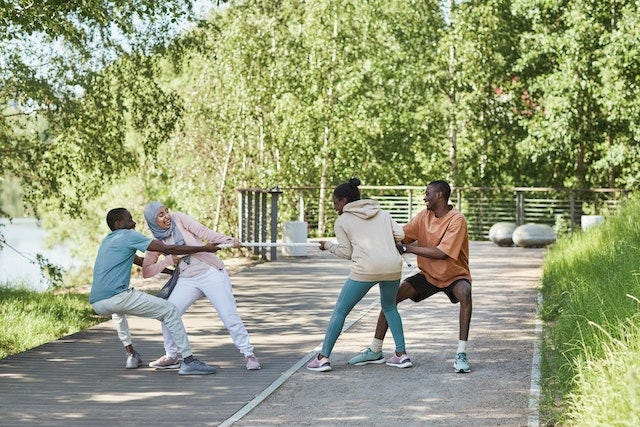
(424, 289)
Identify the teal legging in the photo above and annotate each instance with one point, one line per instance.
(352, 292)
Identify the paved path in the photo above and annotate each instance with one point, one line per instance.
(80, 380)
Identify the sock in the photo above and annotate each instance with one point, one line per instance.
(376, 345)
(188, 359)
(462, 346)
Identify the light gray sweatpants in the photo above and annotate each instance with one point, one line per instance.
(216, 286)
(142, 304)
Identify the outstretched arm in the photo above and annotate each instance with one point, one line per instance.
(427, 252)
(138, 260)
(158, 246)
(343, 248)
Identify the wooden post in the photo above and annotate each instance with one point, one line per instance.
(519, 208)
(240, 215)
(249, 217)
(572, 211)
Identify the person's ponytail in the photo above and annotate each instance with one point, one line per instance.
(348, 190)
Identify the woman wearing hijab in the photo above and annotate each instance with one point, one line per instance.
(201, 274)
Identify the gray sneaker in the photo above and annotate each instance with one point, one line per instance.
(461, 364)
(196, 367)
(134, 361)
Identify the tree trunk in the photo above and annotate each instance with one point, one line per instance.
(223, 182)
(323, 182)
(612, 170)
(327, 133)
(453, 132)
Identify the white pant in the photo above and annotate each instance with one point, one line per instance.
(142, 304)
(216, 285)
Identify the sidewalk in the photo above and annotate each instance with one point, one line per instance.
(286, 306)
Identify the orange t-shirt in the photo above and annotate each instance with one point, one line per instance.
(449, 234)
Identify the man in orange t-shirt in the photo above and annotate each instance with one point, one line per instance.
(443, 258)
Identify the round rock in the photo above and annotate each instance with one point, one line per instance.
(501, 233)
(534, 235)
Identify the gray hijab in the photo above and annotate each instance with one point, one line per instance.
(151, 216)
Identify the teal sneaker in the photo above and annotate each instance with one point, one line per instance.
(461, 364)
(367, 356)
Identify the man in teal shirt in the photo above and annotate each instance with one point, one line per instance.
(111, 294)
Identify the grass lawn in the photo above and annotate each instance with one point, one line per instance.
(30, 318)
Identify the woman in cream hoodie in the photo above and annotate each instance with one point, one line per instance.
(366, 235)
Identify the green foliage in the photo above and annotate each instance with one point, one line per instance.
(11, 198)
(482, 103)
(591, 287)
(295, 93)
(65, 115)
(30, 319)
(583, 90)
(349, 107)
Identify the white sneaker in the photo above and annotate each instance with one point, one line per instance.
(134, 360)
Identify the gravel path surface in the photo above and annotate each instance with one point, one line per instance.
(500, 351)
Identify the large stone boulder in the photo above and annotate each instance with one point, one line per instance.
(501, 233)
(534, 235)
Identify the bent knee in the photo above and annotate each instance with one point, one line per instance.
(170, 310)
(463, 291)
(405, 291)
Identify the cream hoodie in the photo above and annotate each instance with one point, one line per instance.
(367, 236)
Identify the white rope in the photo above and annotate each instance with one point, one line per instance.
(270, 245)
(290, 245)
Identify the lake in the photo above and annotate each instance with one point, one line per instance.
(26, 236)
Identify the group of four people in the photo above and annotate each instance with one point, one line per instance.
(365, 234)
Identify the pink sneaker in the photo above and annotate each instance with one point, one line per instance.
(401, 361)
(320, 365)
(166, 362)
(253, 364)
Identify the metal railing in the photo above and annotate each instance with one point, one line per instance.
(257, 218)
(561, 208)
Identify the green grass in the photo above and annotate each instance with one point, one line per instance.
(29, 318)
(607, 388)
(591, 357)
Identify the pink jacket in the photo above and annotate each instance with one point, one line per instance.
(194, 233)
